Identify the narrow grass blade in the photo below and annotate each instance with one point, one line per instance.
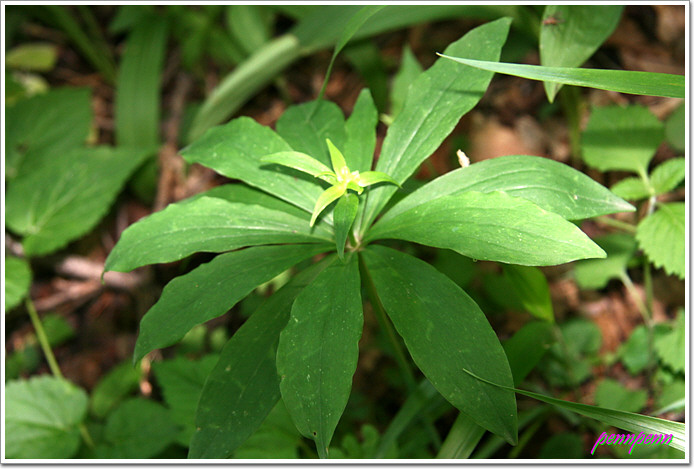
(623, 81)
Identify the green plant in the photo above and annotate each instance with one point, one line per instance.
(301, 344)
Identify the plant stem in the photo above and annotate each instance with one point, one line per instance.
(628, 227)
(43, 339)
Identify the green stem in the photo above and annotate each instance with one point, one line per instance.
(43, 339)
(628, 227)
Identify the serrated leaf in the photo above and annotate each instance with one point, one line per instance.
(621, 138)
(631, 188)
(553, 186)
(235, 149)
(666, 176)
(435, 103)
(612, 395)
(17, 281)
(114, 387)
(181, 382)
(345, 211)
(42, 418)
(409, 70)
(39, 128)
(595, 273)
(661, 236)
(306, 127)
(437, 319)
(326, 198)
(493, 226)
(623, 81)
(530, 286)
(137, 429)
(570, 34)
(299, 161)
(211, 290)
(360, 128)
(206, 224)
(65, 198)
(634, 352)
(318, 351)
(243, 387)
(671, 347)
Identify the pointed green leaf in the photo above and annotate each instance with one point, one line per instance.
(530, 286)
(37, 57)
(676, 130)
(206, 224)
(235, 149)
(437, 319)
(336, 158)
(553, 186)
(368, 178)
(612, 394)
(493, 226)
(621, 138)
(299, 161)
(306, 126)
(631, 188)
(42, 418)
(409, 70)
(325, 199)
(318, 351)
(244, 386)
(66, 197)
(671, 346)
(527, 346)
(595, 273)
(361, 133)
(17, 281)
(570, 34)
(435, 103)
(623, 81)
(668, 175)
(661, 236)
(345, 211)
(211, 290)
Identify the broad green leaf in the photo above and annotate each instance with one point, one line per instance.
(360, 128)
(250, 25)
(181, 381)
(553, 186)
(368, 178)
(17, 281)
(318, 351)
(42, 418)
(595, 273)
(409, 70)
(435, 103)
(40, 57)
(570, 34)
(631, 188)
(675, 129)
(634, 352)
(206, 224)
(65, 198)
(235, 149)
(612, 395)
(326, 198)
(527, 346)
(277, 438)
(661, 236)
(211, 290)
(672, 395)
(437, 319)
(139, 82)
(337, 159)
(345, 211)
(120, 381)
(493, 226)
(530, 286)
(138, 429)
(621, 138)
(617, 418)
(671, 347)
(623, 81)
(241, 193)
(243, 387)
(44, 126)
(305, 127)
(668, 175)
(301, 162)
